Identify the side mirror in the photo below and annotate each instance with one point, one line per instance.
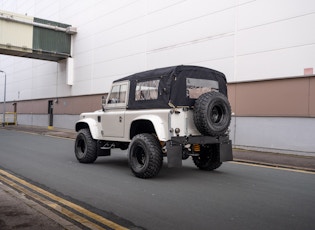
(103, 102)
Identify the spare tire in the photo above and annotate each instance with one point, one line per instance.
(212, 113)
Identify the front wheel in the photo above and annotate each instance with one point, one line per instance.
(145, 156)
(85, 147)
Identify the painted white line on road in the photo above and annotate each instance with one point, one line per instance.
(272, 167)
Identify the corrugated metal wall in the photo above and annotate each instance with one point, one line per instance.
(50, 40)
(19, 37)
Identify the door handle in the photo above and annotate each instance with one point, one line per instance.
(120, 118)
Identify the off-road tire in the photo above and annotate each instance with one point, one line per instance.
(209, 158)
(85, 147)
(212, 113)
(145, 156)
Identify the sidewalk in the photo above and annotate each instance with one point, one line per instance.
(19, 212)
(65, 133)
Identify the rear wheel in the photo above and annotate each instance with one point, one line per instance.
(145, 156)
(85, 147)
(209, 158)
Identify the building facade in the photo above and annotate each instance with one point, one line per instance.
(266, 49)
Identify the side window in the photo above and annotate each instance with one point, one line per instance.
(195, 87)
(147, 90)
(118, 94)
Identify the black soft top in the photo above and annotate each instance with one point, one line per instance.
(172, 89)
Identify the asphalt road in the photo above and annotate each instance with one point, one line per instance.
(236, 196)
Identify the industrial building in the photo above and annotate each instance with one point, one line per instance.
(266, 49)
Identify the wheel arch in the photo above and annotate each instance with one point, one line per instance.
(87, 123)
(149, 124)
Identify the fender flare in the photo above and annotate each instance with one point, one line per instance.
(158, 125)
(89, 123)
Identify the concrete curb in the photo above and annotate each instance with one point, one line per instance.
(22, 212)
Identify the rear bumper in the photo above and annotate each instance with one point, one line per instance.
(200, 140)
(176, 144)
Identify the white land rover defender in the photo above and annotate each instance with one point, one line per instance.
(176, 112)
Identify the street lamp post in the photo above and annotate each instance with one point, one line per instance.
(5, 87)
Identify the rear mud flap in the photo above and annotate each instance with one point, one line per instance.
(226, 151)
(174, 155)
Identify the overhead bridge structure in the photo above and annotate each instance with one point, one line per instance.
(31, 37)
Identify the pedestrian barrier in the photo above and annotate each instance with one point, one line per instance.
(10, 118)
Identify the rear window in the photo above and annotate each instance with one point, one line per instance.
(196, 87)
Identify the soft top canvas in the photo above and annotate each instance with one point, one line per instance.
(172, 86)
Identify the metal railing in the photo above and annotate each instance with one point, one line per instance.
(10, 118)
